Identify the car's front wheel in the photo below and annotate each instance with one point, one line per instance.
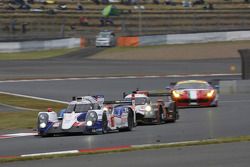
(104, 123)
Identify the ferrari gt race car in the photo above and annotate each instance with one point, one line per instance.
(87, 115)
(151, 108)
(194, 93)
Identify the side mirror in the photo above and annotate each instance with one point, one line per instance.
(124, 94)
(168, 88)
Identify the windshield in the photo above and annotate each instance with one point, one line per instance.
(192, 86)
(104, 35)
(139, 100)
(79, 108)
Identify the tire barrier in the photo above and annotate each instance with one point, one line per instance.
(128, 41)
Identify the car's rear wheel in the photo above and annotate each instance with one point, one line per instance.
(159, 115)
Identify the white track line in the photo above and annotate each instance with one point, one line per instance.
(235, 101)
(124, 77)
(33, 97)
(18, 108)
(51, 153)
(14, 135)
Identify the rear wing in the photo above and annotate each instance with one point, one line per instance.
(125, 102)
(159, 93)
(152, 93)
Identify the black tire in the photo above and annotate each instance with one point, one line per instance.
(46, 134)
(130, 121)
(159, 117)
(104, 124)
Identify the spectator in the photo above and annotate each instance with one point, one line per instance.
(30, 1)
(96, 2)
(186, 3)
(24, 27)
(157, 2)
(13, 26)
(198, 2)
(62, 6)
(104, 2)
(170, 2)
(84, 21)
(72, 27)
(208, 6)
(79, 7)
(104, 21)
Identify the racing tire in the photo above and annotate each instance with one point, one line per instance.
(130, 123)
(46, 134)
(159, 115)
(104, 124)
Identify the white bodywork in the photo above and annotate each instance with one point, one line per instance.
(105, 38)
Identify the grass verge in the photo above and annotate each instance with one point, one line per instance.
(136, 148)
(35, 54)
(23, 119)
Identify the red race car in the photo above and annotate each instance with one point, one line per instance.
(194, 93)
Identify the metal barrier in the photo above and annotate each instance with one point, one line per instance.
(245, 63)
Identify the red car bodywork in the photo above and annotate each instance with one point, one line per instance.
(204, 97)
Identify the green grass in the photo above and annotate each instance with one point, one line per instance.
(24, 119)
(35, 54)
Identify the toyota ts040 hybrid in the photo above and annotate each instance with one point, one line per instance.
(87, 114)
(153, 107)
(193, 93)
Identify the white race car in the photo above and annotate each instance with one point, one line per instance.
(153, 107)
(87, 114)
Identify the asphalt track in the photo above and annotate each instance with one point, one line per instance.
(231, 118)
(198, 123)
(223, 155)
(81, 67)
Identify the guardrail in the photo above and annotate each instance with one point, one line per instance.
(41, 45)
(184, 38)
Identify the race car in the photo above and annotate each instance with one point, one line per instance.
(153, 107)
(87, 115)
(194, 93)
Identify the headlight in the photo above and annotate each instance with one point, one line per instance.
(148, 108)
(89, 123)
(92, 116)
(176, 94)
(210, 93)
(43, 117)
(42, 125)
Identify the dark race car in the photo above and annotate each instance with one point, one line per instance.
(153, 107)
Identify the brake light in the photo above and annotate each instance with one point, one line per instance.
(49, 110)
